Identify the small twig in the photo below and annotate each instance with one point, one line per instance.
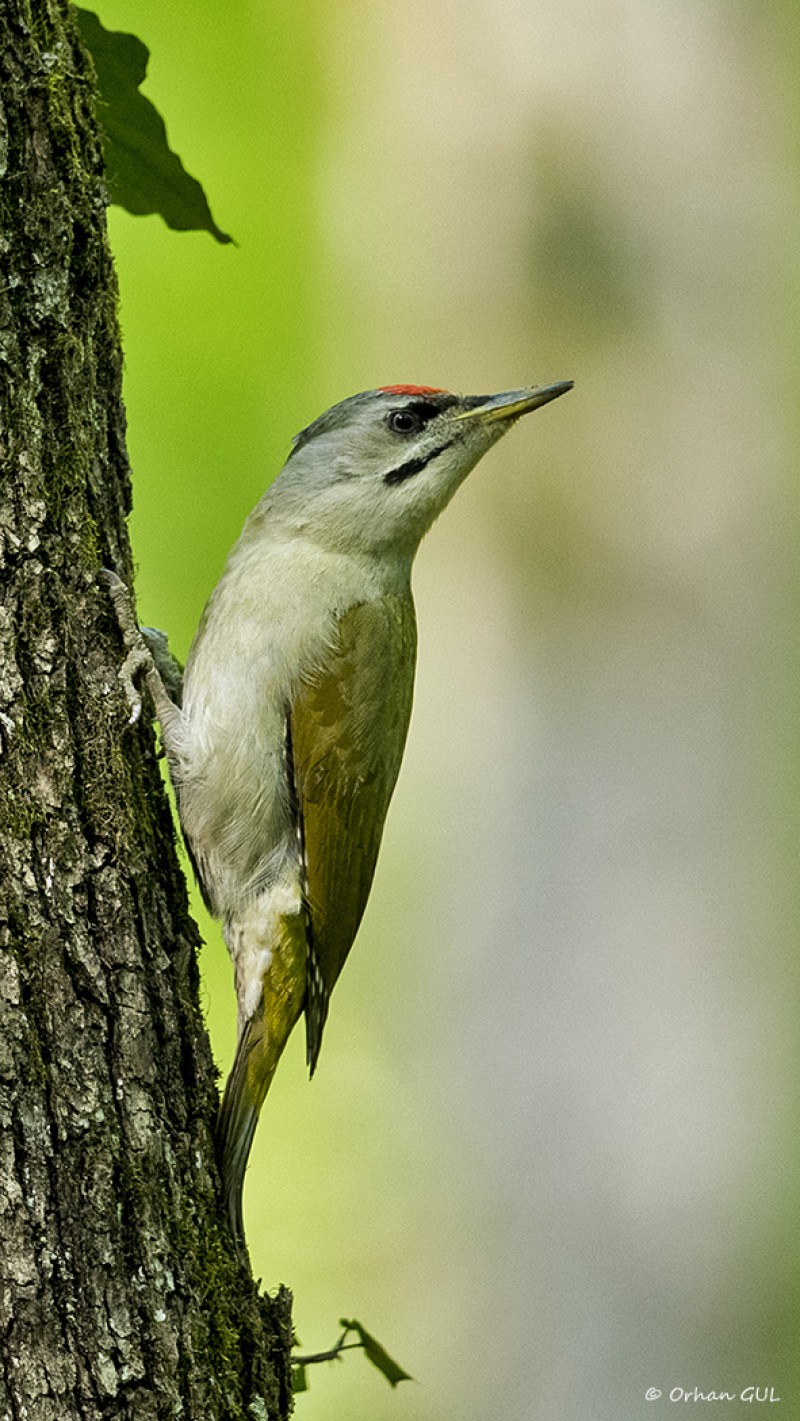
(341, 1346)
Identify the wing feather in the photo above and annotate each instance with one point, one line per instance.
(348, 730)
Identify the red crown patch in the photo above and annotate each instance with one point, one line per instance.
(411, 390)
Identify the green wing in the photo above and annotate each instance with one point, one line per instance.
(348, 729)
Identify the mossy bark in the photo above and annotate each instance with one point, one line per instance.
(119, 1292)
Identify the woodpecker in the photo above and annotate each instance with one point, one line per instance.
(285, 737)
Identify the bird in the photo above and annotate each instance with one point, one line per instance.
(285, 731)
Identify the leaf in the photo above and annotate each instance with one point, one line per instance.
(378, 1355)
(144, 175)
(299, 1380)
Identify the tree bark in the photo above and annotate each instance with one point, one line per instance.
(120, 1294)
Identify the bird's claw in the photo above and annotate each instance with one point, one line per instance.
(139, 658)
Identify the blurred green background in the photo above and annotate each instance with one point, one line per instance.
(550, 1153)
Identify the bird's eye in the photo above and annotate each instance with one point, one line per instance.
(403, 422)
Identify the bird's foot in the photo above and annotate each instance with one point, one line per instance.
(139, 658)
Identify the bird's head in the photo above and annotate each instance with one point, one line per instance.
(372, 473)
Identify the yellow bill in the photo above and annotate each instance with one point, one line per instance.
(513, 403)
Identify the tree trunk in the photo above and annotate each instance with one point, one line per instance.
(120, 1295)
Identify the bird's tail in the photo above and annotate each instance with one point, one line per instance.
(245, 1091)
(260, 1048)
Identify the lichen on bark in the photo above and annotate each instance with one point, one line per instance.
(120, 1295)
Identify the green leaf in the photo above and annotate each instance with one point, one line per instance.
(299, 1380)
(144, 175)
(378, 1355)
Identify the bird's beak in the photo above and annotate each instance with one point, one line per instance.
(512, 403)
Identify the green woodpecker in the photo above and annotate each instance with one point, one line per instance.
(285, 741)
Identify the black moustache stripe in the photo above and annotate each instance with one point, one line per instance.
(413, 466)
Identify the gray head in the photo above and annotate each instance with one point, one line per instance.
(372, 473)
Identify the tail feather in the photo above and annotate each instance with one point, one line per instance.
(244, 1096)
(260, 1048)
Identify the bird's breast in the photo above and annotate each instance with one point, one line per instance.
(270, 628)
